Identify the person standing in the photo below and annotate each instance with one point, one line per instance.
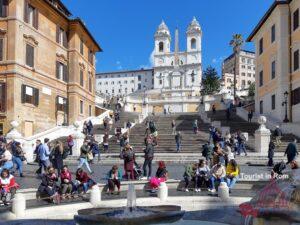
(18, 156)
(178, 139)
(278, 135)
(250, 116)
(84, 151)
(90, 127)
(195, 126)
(149, 155)
(241, 143)
(70, 143)
(128, 156)
(58, 153)
(271, 152)
(173, 125)
(291, 151)
(228, 114)
(43, 154)
(105, 142)
(214, 109)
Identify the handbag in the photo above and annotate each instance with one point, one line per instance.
(90, 156)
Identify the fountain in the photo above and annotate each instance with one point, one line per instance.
(129, 215)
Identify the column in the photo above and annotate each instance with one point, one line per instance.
(262, 137)
(78, 138)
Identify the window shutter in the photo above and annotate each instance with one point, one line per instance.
(65, 41)
(36, 96)
(23, 93)
(36, 19)
(57, 33)
(4, 10)
(66, 74)
(1, 49)
(56, 104)
(57, 69)
(3, 97)
(26, 11)
(31, 55)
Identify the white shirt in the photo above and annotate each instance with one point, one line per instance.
(7, 155)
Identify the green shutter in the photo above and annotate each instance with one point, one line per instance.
(57, 69)
(36, 96)
(23, 93)
(36, 19)
(66, 73)
(26, 11)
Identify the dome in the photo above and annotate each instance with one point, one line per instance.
(162, 30)
(194, 26)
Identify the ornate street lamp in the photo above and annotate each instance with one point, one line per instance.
(285, 103)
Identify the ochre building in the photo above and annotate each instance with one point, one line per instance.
(47, 66)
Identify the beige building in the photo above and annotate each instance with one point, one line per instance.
(47, 68)
(277, 40)
(245, 70)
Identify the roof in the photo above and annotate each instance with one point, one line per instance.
(266, 16)
(78, 20)
(232, 55)
(124, 71)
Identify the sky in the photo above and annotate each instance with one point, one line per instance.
(125, 28)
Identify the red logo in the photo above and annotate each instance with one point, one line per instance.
(270, 197)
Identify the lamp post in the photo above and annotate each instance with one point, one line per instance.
(285, 103)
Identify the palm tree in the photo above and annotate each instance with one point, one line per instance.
(236, 43)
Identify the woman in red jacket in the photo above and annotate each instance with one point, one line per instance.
(8, 186)
(83, 180)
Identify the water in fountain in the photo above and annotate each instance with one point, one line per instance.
(131, 198)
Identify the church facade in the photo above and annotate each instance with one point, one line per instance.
(178, 70)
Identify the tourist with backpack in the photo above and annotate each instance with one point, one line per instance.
(271, 153)
(195, 126)
(57, 156)
(149, 155)
(241, 143)
(128, 156)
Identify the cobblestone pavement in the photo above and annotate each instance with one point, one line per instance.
(175, 172)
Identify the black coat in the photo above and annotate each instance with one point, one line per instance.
(271, 150)
(149, 151)
(57, 158)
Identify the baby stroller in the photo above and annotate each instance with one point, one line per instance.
(138, 174)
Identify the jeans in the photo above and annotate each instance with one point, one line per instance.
(213, 180)
(83, 161)
(231, 182)
(85, 186)
(195, 130)
(147, 163)
(178, 146)
(242, 148)
(19, 163)
(43, 165)
(200, 180)
(7, 165)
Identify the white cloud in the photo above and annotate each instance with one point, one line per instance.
(151, 58)
(119, 65)
(214, 61)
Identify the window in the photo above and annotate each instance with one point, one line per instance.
(3, 8)
(296, 96)
(193, 43)
(296, 19)
(273, 100)
(261, 46)
(112, 82)
(296, 60)
(119, 82)
(61, 71)
(161, 46)
(29, 55)
(249, 61)
(30, 95)
(31, 15)
(132, 81)
(91, 57)
(2, 97)
(249, 82)
(90, 110)
(106, 91)
(249, 67)
(249, 74)
(61, 37)
(113, 91)
(243, 83)
(81, 107)
(125, 81)
(139, 86)
(61, 104)
(120, 91)
(261, 78)
(81, 46)
(229, 80)
(81, 78)
(273, 33)
(1, 49)
(139, 77)
(90, 84)
(243, 66)
(160, 81)
(273, 70)
(243, 74)
(261, 107)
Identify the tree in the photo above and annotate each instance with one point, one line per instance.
(236, 43)
(251, 89)
(210, 81)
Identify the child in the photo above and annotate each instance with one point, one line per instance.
(8, 186)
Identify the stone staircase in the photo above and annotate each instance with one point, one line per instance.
(191, 143)
(236, 123)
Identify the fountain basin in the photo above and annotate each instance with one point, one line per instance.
(121, 216)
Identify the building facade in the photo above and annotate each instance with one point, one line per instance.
(122, 83)
(245, 70)
(277, 41)
(187, 64)
(47, 68)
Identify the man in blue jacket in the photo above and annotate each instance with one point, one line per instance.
(43, 154)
